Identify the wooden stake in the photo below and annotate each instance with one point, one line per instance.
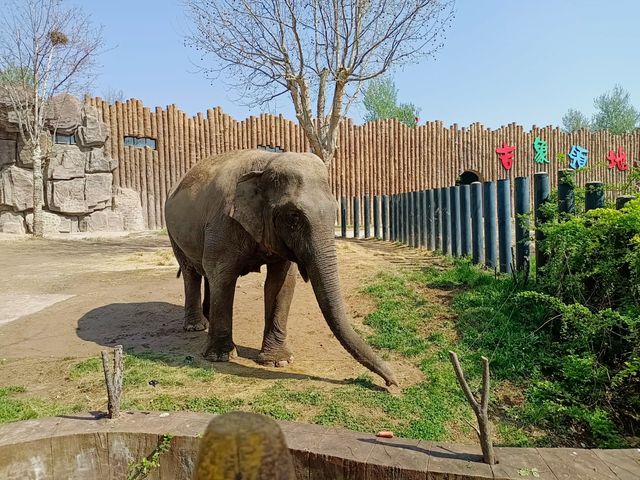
(481, 408)
(113, 380)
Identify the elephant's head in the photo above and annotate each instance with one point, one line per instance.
(288, 208)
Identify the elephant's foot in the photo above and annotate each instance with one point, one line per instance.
(196, 324)
(219, 352)
(280, 357)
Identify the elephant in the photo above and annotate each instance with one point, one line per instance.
(232, 213)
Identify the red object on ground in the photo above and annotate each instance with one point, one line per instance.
(384, 434)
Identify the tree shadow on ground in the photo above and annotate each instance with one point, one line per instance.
(151, 329)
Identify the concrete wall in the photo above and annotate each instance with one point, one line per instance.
(83, 447)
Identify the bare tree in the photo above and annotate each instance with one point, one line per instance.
(313, 49)
(45, 49)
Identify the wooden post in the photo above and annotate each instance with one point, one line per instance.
(431, 229)
(456, 238)
(113, 380)
(437, 218)
(566, 194)
(477, 243)
(424, 213)
(376, 216)
(356, 217)
(541, 190)
(411, 206)
(385, 217)
(594, 197)
(481, 408)
(343, 217)
(465, 220)
(417, 217)
(523, 209)
(623, 200)
(445, 206)
(504, 224)
(490, 230)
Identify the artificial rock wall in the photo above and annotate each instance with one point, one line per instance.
(78, 178)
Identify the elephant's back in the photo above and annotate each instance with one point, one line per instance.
(218, 172)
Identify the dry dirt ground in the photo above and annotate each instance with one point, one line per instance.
(62, 300)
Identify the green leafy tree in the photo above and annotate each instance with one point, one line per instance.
(614, 112)
(381, 101)
(574, 120)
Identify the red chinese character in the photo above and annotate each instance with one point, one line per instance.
(618, 160)
(505, 152)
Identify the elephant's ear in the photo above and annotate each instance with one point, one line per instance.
(248, 205)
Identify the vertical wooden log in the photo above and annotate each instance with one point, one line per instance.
(465, 220)
(356, 217)
(594, 196)
(343, 217)
(456, 238)
(622, 200)
(437, 219)
(367, 216)
(490, 230)
(477, 243)
(376, 216)
(385, 217)
(566, 195)
(446, 221)
(430, 214)
(415, 213)
(504, 224)
(523, 209)
(541, 189)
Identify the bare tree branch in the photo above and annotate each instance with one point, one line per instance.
(52, 49)
(312, 47)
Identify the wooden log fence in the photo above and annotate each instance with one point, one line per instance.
(376, 159)
(476, 220)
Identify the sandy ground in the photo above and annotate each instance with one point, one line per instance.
(68, 298)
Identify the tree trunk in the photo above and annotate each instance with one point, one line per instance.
(38, 189)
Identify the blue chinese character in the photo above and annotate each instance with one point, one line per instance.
(579, 157)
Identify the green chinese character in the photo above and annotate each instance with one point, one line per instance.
(540, 147)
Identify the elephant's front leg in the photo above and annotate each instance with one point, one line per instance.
(194, 318)
(278, 292)
(222, 288)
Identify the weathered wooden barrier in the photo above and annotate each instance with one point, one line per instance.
(489, 222)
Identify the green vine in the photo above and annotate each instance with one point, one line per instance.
(142, 468)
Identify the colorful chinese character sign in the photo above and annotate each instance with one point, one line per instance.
(541, 149)
(579, 157)
(618, 160)
(505, 153)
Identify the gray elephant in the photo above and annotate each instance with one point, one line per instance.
(232, 213)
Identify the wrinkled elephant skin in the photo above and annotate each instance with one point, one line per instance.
(231, 214)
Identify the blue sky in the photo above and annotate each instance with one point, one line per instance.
(503, 61)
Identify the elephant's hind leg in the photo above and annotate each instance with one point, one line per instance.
(278, 292)
(194, 320)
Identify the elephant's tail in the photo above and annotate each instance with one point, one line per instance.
(179, 272)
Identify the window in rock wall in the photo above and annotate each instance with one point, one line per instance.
(140, 142)
(269, 148)
(62, 139)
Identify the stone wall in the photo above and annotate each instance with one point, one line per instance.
(78, 192)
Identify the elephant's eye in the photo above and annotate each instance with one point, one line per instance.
(293, 219)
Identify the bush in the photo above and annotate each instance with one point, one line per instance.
(591, 289)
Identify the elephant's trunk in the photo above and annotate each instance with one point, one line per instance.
(322, 269)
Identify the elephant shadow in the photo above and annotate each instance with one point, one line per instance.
(154, 330)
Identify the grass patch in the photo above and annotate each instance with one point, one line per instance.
(14, 409)
(524, 344)
(142, 368)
